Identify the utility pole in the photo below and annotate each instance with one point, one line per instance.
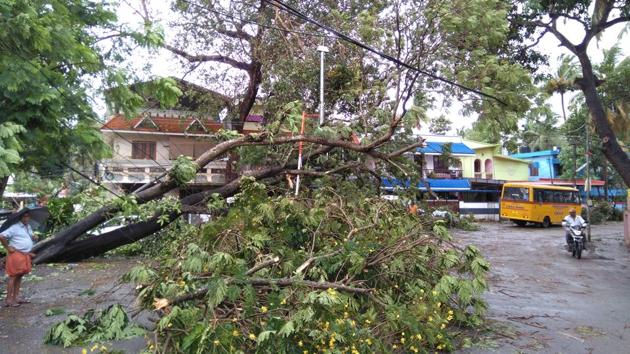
(322, 52)
(587, 184)
(574, 144)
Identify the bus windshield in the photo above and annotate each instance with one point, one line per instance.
(516, 193)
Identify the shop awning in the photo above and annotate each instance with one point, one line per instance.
(437, 185)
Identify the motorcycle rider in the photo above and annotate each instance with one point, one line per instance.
(572, 220)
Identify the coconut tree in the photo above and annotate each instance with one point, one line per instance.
(563, 81)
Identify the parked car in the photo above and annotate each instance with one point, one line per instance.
(114, 223)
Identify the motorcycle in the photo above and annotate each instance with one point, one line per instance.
(577, 240)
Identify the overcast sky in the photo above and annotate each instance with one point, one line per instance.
(164, 63)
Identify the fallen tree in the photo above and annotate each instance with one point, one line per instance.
(315, 273)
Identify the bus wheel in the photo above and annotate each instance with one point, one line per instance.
(520, 222)
(546, 222)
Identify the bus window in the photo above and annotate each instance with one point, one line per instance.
(539, 195)
(515, 193)
(549, 196)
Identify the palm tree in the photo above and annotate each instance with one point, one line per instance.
(563, 81)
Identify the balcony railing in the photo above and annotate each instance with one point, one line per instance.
(443, 173)
(143, 171)
(487, 175)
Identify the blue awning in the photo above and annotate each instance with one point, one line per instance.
(437, 185)
(446, 185)
(436, 148)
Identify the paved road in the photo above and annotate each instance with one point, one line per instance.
(543, 300)
(75, 288)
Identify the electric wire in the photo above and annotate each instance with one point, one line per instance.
(284, 7)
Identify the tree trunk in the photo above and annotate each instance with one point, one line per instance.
(95, 246)
(3, 185)
(605, 178)
(610, 146)
(564, 113)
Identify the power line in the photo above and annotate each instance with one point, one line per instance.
(256, 23)
(284, 7)
(89, 179)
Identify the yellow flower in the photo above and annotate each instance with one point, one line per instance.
(430, 319)
(442, 326)
(94, 347)
(439, 336)
(367, 321)
(440, 347)
(346, 315)
(421, 291)
(394, 346)
(331, 292)
(413, 349)
(252, 336)
(264, 309)
(283, 302)
(450, 312)
(83, 351)
(439, 304)
(402, 340)
(216, 342)
(236, 333)
(305, 352)
(300, 344)
(368, 341)
(434, 293)
(419, 336)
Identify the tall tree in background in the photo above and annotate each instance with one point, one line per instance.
(49, 55)
(534, 19)
(440, 125)
(563, 81)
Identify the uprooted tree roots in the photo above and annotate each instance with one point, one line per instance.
(284, 275)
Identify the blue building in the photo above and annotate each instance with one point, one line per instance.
(542, 164)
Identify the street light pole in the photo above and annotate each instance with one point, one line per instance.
(322, 52)
(587, 184)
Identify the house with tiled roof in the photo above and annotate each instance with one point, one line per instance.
(145, 146)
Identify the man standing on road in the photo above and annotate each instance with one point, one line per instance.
(18, 241)
(572, 220)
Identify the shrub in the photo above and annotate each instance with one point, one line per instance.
(601, 212)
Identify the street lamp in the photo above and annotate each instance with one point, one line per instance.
(322, 52)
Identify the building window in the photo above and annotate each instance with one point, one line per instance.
(144, 150)
(533, 169)
(439, 164)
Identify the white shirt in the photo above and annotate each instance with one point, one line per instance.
(20, 237)
(577, 221)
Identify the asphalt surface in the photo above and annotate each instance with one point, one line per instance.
(73, 288)
(541, 300)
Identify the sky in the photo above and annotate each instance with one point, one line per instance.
(163, 63)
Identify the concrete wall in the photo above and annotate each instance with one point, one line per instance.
(481, 211)
(121, 148)
(501, 168)
(511, 170)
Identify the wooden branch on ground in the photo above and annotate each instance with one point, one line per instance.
(281, 282)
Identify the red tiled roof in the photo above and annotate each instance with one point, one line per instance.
(165, 124)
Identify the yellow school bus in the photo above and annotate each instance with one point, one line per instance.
(538, 203)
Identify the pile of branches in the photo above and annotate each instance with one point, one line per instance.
(339, 270)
